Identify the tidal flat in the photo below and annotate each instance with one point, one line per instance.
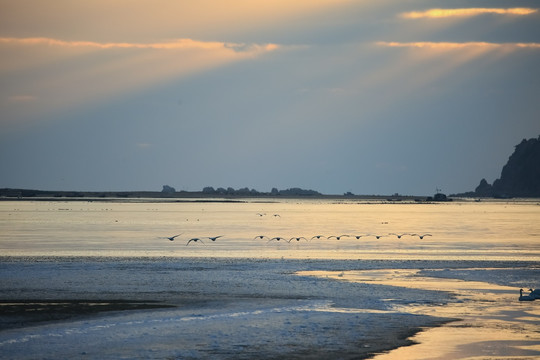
(102, 281)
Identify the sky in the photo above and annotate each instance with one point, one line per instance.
(368, 97)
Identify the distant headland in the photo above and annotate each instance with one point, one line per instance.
(165, 193)
(208, 194)
(520, 177)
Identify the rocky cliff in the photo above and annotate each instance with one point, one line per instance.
(520, 177)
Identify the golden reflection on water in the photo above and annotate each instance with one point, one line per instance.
(460, 230)
(492, 324)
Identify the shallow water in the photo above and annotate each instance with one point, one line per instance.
(224, 308)
(459, 230)
(491, 323)
(246, 295)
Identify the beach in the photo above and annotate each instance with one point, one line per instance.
(230, 308)
(238, 297)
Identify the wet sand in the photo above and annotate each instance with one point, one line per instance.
(18, 313)
(219, 308)
(490, 321)
(254, 308)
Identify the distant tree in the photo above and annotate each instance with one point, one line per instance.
(168, 189)
(208, 190)
(243, 191)
(298, 192)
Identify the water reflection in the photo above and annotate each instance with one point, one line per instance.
(492, 323)
(479, 231)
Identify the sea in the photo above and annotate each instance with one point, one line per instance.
(280, 278)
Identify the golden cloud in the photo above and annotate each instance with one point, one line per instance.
(21, 98)
(466, 12)
(456, 45)
(176, 44)
(96, 71)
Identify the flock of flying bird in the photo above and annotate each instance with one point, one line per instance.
(196, 239)
(337, 237)
(534, 294)
(298, 238)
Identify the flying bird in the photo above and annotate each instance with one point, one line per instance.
(171, 238)
(194, 240)
(421, 236)
(318, 237)
(399, 235)
(214, 238)
(261, 214)
(358, 236)
(297, 238)
(261, 237)
(337, 237)
(377, 236)
(277, 238)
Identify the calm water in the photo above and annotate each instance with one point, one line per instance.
(507, 230)
(262, 307)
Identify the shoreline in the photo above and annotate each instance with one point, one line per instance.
(224, 308)
(257, 197)
(21, 314)
(260, 304)
(17, 313)
(487, 317)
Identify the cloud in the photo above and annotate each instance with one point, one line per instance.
(21, 98)
(242, 47)
(171, 45)
(143, 21)
(71, 73)
(411, 68)
(528, 45)
(465, 12)
(435, 45)
(458, 45)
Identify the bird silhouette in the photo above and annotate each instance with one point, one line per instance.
(297, 238)
(261, 214)
(357, 236)
(277, 215)
(525, 297)
(535, 293)
(318, 237)
(171, 238)
(277, 238)
(261, 237)
(194, 240)
(377, 236)
(399, 235)
(214, 238)
(337, 237)
(421, 236)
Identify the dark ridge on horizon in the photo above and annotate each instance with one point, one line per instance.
(520, 177)
(169, 192)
